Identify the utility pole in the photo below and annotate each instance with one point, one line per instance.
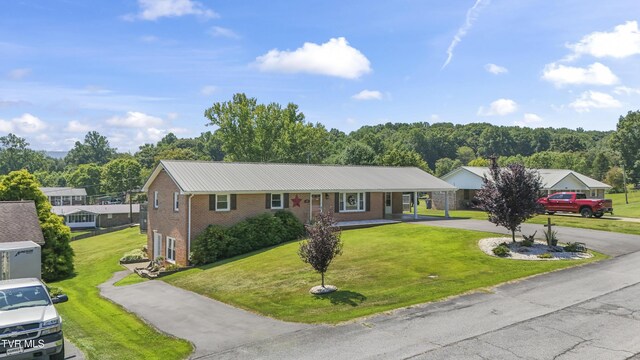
(624, 184)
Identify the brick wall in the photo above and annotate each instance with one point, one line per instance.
(165, 220)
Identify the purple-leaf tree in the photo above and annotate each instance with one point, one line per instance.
(323, 244)
(510, 195)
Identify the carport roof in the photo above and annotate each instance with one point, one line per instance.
(208, 177)
(19, 222)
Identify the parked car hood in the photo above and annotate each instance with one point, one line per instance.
(27, 315)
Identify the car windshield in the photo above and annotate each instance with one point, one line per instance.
(28, 296)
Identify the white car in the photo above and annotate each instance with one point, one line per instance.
(30, 326)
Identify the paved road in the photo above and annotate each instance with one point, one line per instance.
(71, 352)
(592, 311)
(211, 326)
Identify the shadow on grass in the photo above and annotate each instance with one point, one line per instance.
(343, 297)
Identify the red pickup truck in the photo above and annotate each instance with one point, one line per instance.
(576, 203)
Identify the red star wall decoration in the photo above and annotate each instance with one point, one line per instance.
(296, 201)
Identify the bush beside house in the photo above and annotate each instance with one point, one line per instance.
(217, 242)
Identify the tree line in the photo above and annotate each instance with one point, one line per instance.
(246, 130)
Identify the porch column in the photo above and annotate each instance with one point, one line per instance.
(310, 207)
(446, 204)
(415, 205)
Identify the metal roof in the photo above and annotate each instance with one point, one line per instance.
(549, 177)
(19, 222)
(212, 177)
(63, 191)
(95, 209)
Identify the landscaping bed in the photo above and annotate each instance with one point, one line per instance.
(535, 251)
(381, 269)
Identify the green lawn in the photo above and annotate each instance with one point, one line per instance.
(382, 268)
(603, 224)
(621, 208)
(101, 329)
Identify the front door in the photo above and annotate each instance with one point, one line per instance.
(316, 205)
(388, 203)
(157, 245)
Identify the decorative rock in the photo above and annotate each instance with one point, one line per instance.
(319, 290)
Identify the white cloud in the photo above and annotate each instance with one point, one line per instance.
(19, 74)
(496, 69)
(594, 100)
(135, 119)
(25, 124)
(594, 74)
(219, 31)
(149, 38)
(530, 120)
(155, 9)
(76, 126)
(622, 42)
(499, 107)
(334, 58)
(352, 121)
(172, 115)
(435, 117)
(472, 15)
(368, 95)
(208, 90)
(625, 90)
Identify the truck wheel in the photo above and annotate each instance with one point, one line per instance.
(551, 212)
(586, 212)
(58, 356)
(598, 215)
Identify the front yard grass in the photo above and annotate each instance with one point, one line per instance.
(604, 224)
(382, 268)
(621, 208)
(100, 328)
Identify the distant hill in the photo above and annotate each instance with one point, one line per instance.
(57, 154)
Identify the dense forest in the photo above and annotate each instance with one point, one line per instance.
(246, 130)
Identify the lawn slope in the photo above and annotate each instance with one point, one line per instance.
(101, 329)
(382, 268)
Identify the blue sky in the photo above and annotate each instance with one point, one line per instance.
(137, 69)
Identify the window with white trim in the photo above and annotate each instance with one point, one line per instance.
(155, 199)
(176, 205)
(352, 202)
(222, 202)
(171, 249)
(277, 201)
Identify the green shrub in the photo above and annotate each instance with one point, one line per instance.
(171, 267)
(528, 240)
(293, 228)
(257, 232)
(212, 244)
(134, 255)
(575, 247)
(545, 256)
(501, 250)
(552, 237)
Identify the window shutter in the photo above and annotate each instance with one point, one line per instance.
(233, 201)
(267, 201)
(212, 202)
(337, 203)
(286, 200)
(367, 201)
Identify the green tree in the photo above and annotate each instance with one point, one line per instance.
(121, 175)
(357, 153)
(626, 140)
(57, 254)
(446, 165)
(480, 162)
(15, 154)
(397, 157)
(496, 141)
(94, 149)
(615, 178)
(50, 178)
(465, 154)
(600, 166)
(249, 131)
(87, 176)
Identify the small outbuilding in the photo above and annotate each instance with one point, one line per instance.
(98, 216)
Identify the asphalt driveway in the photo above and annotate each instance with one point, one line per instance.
(591, 311)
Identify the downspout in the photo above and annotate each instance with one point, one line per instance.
(189, 230)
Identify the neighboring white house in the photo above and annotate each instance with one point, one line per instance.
(60, 196)
(468, 179)
(97, 216)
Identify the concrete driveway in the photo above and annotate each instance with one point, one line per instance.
(592, 311)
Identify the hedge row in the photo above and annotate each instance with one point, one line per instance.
(217, 242)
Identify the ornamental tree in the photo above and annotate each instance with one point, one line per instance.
(323, 245)
(510, 195)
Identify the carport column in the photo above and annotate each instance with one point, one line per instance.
(415, 205)
(446, 204)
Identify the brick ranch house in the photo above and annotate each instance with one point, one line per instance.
(187, 196)
(468, 180)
